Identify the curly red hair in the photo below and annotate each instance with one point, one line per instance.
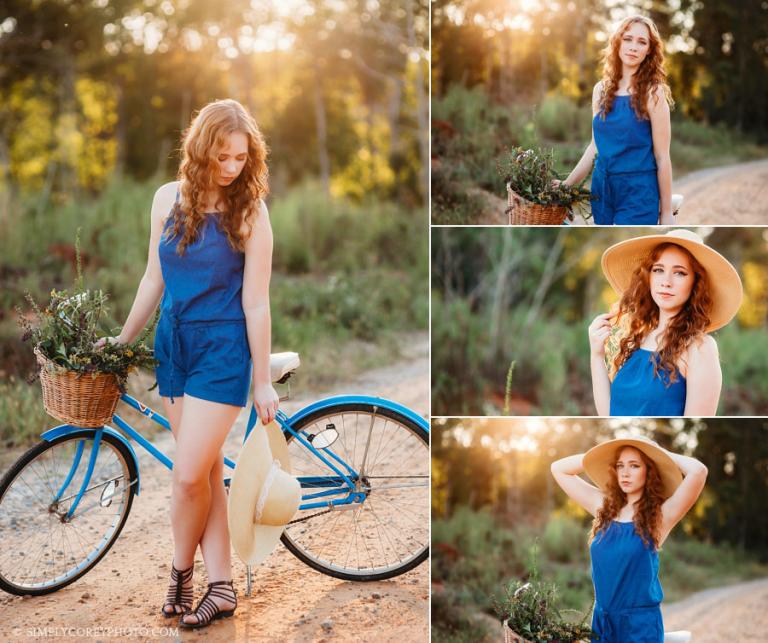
(647, 519)
(686, 326)
(649, 76)
(201, 143)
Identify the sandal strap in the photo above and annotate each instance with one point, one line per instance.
(206, 609)
(180, 595)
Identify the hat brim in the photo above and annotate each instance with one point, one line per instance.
(620, 260)
(599, 460)
(254, 542)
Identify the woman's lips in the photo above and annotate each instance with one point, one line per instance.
(665, 295)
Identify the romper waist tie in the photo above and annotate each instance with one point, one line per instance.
(608, 622)
(176, 323)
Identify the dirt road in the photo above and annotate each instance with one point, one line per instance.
(722, 614)
(728, 195)
(121, 597)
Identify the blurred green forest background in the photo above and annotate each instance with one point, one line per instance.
(527, 295)
(93, 99)
(497, 511)
(521, 72)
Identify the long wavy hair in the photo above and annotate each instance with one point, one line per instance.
(649, 75)
(686, 326)
(647, 519)
(201, 143)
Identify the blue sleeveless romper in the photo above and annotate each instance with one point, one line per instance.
(625, 574)
(636, 390)
(201, 342)
(625, 187)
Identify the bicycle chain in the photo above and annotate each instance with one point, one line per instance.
(305, 518)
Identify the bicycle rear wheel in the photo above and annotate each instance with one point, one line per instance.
(42, 551)
(387, 534)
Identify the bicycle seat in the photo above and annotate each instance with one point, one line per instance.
(680, 636)
(281, 365)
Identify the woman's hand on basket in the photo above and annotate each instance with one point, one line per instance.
(557, 183)
(100, 343)
(266, 401)
(599, 331)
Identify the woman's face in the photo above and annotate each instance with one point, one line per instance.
(231, 158)
(635, 44)
(630, 470)
(671, 279)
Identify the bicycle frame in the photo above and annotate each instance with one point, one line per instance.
(345, 481)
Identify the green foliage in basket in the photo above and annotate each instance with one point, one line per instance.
(530, 174)
(530, 609)
(68, 327)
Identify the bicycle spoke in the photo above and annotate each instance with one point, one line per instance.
(390, 528)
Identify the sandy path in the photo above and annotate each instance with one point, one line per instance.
(290, 601)
(722, 614)
(729, 195)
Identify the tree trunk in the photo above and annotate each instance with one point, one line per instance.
(422, 104)
(322, 143)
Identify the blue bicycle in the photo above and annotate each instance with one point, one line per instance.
(362, 462)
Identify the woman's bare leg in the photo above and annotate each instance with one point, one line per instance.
(215, 544)
(202, 431)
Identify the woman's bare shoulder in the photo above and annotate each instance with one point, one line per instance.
(164, 198)
(702, 348)
(258, 220)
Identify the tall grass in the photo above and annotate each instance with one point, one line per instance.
(347, 278)
(475, 553)
(470, 131)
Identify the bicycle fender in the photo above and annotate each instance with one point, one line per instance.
(360, 399)
(63, 429)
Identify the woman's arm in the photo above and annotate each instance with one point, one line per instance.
(151, 286)
(703, 378)
(566, 473)
(256, 276)
(599, 330)
(686, 495)
(584, 166)
(661, 131)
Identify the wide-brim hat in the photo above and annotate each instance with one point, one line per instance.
(263, 495)
(599, 461)
(620, 260)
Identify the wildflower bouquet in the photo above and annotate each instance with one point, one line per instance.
(67, 329)
(528, 613)
(529, 176)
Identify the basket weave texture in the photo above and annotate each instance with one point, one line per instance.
(79, 399)
(523, 212)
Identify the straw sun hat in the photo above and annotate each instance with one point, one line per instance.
(620, 260)
(263, 495)
(599, 461)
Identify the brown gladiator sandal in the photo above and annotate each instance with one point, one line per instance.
(207, 610)
(178, 595)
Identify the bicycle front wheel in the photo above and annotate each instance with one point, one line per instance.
(43, 549)
(388, 533)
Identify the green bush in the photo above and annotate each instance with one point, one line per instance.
(560, 119)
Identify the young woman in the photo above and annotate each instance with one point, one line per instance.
(661, 360)
(210, 253)
(632, 178)
(642, 492)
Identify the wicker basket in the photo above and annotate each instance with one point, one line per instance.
(510, 636)
(523, 212)
(81, 400)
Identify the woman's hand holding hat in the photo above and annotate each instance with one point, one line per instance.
(266, 401)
